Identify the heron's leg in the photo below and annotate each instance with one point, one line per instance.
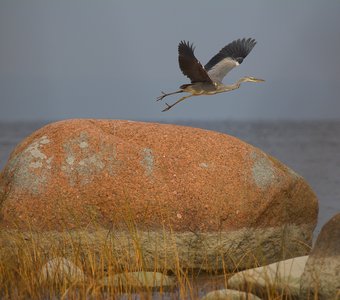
(178, 101)
(165, 94)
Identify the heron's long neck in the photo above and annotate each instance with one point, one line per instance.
(230, 87)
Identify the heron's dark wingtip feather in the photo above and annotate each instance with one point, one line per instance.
(184, 47)
(236, 49)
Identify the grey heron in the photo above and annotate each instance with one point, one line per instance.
(207, 80)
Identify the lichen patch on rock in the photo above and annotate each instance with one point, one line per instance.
(83, 162)
(263, 171)
(204, 165)
(148, 161)
(30, 168)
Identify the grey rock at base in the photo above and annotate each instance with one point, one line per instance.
(321, 277)
(282, 276)
(228, 294)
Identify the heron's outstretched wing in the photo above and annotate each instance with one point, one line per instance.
(228, 58)
(189, 64)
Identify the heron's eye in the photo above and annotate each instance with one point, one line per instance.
(239, 60)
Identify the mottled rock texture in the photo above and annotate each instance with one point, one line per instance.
(321, 277)
(210, 190)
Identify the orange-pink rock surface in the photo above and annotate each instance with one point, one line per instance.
(79, 173)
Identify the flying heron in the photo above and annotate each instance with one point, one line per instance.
(207, 80)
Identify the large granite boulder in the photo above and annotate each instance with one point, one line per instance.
(207, 196)
(321, 277)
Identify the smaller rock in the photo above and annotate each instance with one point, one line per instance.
(283, 276)
(227, 294)
(139, 280)
(60, 269)
(321, 277)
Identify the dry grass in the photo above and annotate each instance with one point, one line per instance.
(23, 255)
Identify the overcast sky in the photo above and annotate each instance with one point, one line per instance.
(110, 59)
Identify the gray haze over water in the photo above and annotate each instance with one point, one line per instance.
(110, 59)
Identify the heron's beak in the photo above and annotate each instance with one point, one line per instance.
(258, 80)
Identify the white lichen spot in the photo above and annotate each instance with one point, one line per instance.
(44, 140)
(83, 145)
(204, 165)
(48, 162)
(70, 160)
(148, 161)
(36, 153)
(36, 164)
(263, 171)
(93, 160)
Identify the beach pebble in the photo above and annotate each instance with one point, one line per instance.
(282, 276)
(228, 294)
(60, 269)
